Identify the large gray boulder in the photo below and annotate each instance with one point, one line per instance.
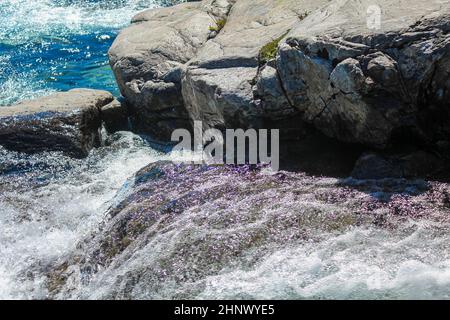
(364, 82)
(68, 121)
(148, 57)
(175, 227)
(165, 60)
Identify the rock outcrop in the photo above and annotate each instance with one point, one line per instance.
(69, 122)
(199, 61)
(366, 81)
(173, 227)
(368, 73)
(219, 83)
(351, 78)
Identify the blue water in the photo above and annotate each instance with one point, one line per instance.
(57, 45)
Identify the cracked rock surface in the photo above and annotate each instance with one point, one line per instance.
(365, 85)
(368, 73)
(164, 60)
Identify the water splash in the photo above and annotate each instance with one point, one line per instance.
(228, 233)
(26, 22)
(90, 229)
(232, 235)
(53, 202)
(411, 262)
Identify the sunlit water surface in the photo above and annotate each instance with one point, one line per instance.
(57, 45)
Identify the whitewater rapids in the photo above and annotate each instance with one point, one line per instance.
(320, 248)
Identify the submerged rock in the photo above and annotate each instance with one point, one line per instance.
(67, 121)
(174, 227)
(147, 59)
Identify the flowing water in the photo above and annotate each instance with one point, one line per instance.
(216, 234)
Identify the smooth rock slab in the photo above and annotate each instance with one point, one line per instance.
(68, 121)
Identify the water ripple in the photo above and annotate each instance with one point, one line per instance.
(56, 45)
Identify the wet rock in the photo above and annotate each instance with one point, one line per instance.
(115, 116)
(147, 59)
(68, 121)
(174, 227)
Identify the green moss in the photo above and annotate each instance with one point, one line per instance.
(220, 24)
(269, 51)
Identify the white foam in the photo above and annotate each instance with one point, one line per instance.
(24, 21)
(362, 263)
(43, 224)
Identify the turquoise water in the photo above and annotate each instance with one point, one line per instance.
(57, 45)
